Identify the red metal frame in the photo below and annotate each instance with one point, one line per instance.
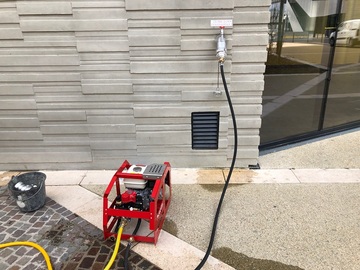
(155, 214)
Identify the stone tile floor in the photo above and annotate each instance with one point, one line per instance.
(70, 241)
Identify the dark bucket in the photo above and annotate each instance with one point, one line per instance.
(28, 189)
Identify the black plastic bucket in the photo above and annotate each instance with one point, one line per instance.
(28, 190)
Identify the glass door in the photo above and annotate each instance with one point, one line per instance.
(343, 100)
(297, 67)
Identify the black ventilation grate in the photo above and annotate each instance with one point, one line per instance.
(205, 130)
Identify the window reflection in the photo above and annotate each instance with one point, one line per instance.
(348, 34)
(301, 35)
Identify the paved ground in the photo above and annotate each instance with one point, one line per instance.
(289, 215)
(70, 241)
(310, 226)
(338, 151)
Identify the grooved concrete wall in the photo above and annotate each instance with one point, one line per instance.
(87, 84)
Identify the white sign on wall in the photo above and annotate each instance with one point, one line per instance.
(218, 23)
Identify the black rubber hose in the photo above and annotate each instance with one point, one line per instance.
(128, 247)
(212, 238)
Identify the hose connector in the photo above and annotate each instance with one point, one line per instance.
(221, 46)
(124, 222)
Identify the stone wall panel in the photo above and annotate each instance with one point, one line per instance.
(87, 84)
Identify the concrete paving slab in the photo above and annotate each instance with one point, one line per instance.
(64, 178)
(4, 181)
(210, 176)
(262, 176)
(100, 189)
(178, 176)
(328, 175)
(5, 177)
(173, 253)
(92, 211)
(98, 177)
(184, 175)
(72, 197)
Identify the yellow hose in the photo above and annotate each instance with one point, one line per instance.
(117, 245)
(31, 244)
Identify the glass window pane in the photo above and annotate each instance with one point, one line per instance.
(343, 104)
(296, 67)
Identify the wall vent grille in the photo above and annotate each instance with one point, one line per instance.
(205, 130)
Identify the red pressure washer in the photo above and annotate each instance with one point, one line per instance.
(147, 196)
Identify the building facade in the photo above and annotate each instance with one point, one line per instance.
(87, 84)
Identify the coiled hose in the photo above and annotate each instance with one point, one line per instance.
(31, 244)
(212, 238)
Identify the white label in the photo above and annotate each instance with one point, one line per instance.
(219, 23)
